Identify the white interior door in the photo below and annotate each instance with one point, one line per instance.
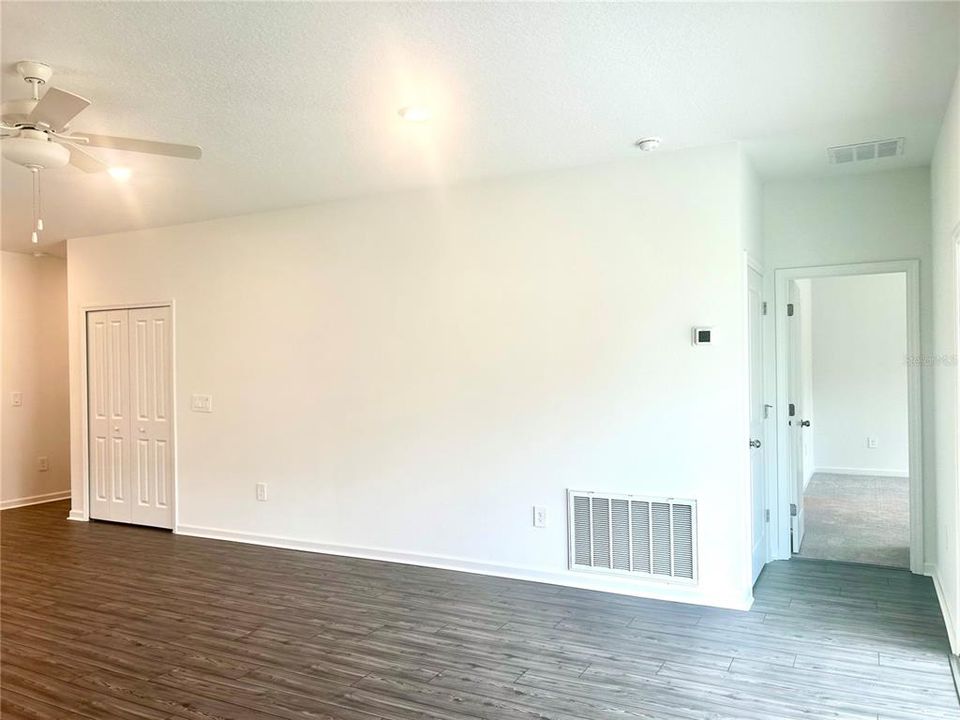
(130, 397)
(795, 429)
(757, 476)
(151, 399)
(109, 421)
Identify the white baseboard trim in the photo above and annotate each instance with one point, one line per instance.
(945, 610)
(654, 589)
(78, 515)
(869, 472)
(34, 500)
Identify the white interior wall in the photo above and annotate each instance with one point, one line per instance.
(411, 373)
(34, 360)
(859, 374)
(942, 360)
(855, 219)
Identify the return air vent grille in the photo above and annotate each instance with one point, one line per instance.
(656, 537)
(873, 150)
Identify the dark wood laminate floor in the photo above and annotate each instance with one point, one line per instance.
(110, 621)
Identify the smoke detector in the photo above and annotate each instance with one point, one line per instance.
(858, 152)
(648, 144)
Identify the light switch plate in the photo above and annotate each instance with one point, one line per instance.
(872, 443)
(16, 399)
(201, 403)
(262, 492)
(43, 464)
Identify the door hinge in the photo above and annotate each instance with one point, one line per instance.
(766, 515)
(793, 509)
(763, 308)
(789, 309)
(792, 410)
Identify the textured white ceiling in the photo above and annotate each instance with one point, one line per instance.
(296, 102)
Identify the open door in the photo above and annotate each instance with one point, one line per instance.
(795, 415)
(757, 477)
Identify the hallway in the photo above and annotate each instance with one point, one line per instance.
(859, 519)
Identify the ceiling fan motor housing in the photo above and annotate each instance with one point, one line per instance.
(33, 149)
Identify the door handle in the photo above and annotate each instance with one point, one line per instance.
(755, 443)
(804, 423)
(143, 429)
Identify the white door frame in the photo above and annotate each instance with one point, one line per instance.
(85, 398)
(783, 489)
(753, 265)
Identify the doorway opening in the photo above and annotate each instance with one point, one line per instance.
(849, 413)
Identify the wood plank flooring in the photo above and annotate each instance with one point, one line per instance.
(111, 621)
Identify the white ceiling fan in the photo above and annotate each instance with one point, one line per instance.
(36, 131)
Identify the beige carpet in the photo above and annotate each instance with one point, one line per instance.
(857, 518)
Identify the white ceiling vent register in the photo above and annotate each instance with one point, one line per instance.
(633, 535)
(873, 150)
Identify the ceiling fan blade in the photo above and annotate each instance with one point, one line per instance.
(84, 160)
(66, 139)
(56, 108)
(191, 152)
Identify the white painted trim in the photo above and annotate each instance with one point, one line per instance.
(34, 500)
(636, 587)
(756, 266)
(952, 629)
(945, 609)
(911, 269)
(869, 472)
(83, 513)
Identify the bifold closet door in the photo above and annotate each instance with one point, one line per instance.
(108, 386)
(130, 384)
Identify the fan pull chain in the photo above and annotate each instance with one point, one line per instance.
(36, 206)
(39, 206)
(37, 220)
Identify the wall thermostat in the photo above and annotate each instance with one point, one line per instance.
(702, 336)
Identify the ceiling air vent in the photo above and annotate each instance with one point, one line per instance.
(633, 535)
(872, 150)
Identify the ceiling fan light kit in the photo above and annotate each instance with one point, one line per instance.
(35, 133)
(33, 149)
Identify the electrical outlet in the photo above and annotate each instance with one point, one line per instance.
(539, 516)
(201, 403)
(16, 399)
(872, 443)
(262, 492)
(43, 464)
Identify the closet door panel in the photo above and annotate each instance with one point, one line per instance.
(151, 396)
(108, 372)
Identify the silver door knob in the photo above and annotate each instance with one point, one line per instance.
(116, 429)
(754, 443)
(143, 429)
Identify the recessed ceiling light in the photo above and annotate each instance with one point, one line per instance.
(414, 113)
(648, 144)
(119, 173)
